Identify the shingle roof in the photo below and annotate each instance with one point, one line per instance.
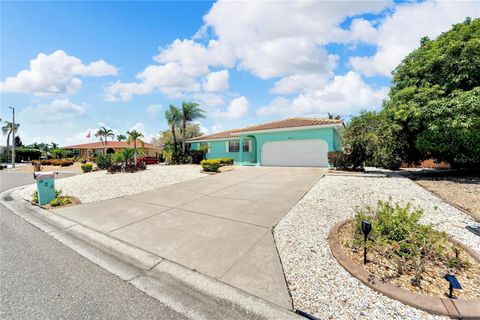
(279, 124)
(108, 144)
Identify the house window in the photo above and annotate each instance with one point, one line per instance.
(246, 145)
(233, 146)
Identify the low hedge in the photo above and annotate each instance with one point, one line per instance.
(226, 161)
(339, 160)
(55, 162)
(87, 167)
(210, 165)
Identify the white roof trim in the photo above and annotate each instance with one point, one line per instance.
(329, 125)
(240, 133)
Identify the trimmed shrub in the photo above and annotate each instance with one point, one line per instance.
(210, 165)
(87, 167)
(226, 161)
(339, 160)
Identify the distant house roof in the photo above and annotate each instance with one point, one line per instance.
(109, 144)
(280, 124)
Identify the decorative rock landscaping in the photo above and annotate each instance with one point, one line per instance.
(99, 185)
(318, 284)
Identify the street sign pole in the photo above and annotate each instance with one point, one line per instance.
(13, 137)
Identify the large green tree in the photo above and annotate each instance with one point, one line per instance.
(433, 110)
(435, 97)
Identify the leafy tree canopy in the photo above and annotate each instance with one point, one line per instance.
(433, 110)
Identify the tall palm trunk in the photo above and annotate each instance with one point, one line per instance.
(135, 151)
(184, 133)
(8, 145)
(174, 139)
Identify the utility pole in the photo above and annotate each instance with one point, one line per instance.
(13, 137)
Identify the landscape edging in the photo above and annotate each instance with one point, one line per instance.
(454, 308)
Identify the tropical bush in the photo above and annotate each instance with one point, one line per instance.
(339, 160)
(104, 161)
(87, 167)
(398, 236)
(210, 165)
(197, 156)
(58, 153)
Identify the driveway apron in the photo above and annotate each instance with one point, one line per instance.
(219, 225)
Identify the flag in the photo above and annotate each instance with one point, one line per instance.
(88, 135)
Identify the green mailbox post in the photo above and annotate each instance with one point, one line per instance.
(45, 187)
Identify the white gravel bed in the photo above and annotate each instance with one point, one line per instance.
(318, 284)
(96, 186)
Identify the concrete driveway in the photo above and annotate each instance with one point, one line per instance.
(220, 225)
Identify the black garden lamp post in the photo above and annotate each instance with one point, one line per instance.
(453, 284)
(366, 228)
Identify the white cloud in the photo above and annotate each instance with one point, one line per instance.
(57, 111)
(209, 100)
(344, 95)
(237, 108)
(362, 30)
(180, 66)
(400, 33)
(248, 33)
(57, 73)
(283, 38)
(300, 83)
(153, 109)
(216, 81)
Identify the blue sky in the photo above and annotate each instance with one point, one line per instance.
(71, 67)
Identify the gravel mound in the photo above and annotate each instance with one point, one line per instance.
(99, 185)
(318, 284)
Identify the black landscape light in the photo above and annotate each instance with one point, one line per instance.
(453, 284)
(366, 228)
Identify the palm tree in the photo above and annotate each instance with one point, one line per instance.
(127, 155)
(121, 137)
(135, 136)
(173, 117)
(54, 145)
(190, 112)
(7, 129)
(104, 133)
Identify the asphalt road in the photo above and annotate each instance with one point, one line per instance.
(43, 279)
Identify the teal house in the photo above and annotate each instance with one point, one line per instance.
(292, 142)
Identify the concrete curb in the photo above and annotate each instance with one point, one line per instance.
(453, 308)
(186, 291)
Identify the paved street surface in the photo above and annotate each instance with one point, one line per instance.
(43, 279)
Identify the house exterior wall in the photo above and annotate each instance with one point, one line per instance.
(218, 148)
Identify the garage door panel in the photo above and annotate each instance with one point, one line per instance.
(295, 153)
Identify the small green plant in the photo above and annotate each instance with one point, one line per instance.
(398, 236)
(87, 167)
(226, 161)
(210, 165)
(61, 201)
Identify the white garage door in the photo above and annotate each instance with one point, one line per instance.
(295, 153)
